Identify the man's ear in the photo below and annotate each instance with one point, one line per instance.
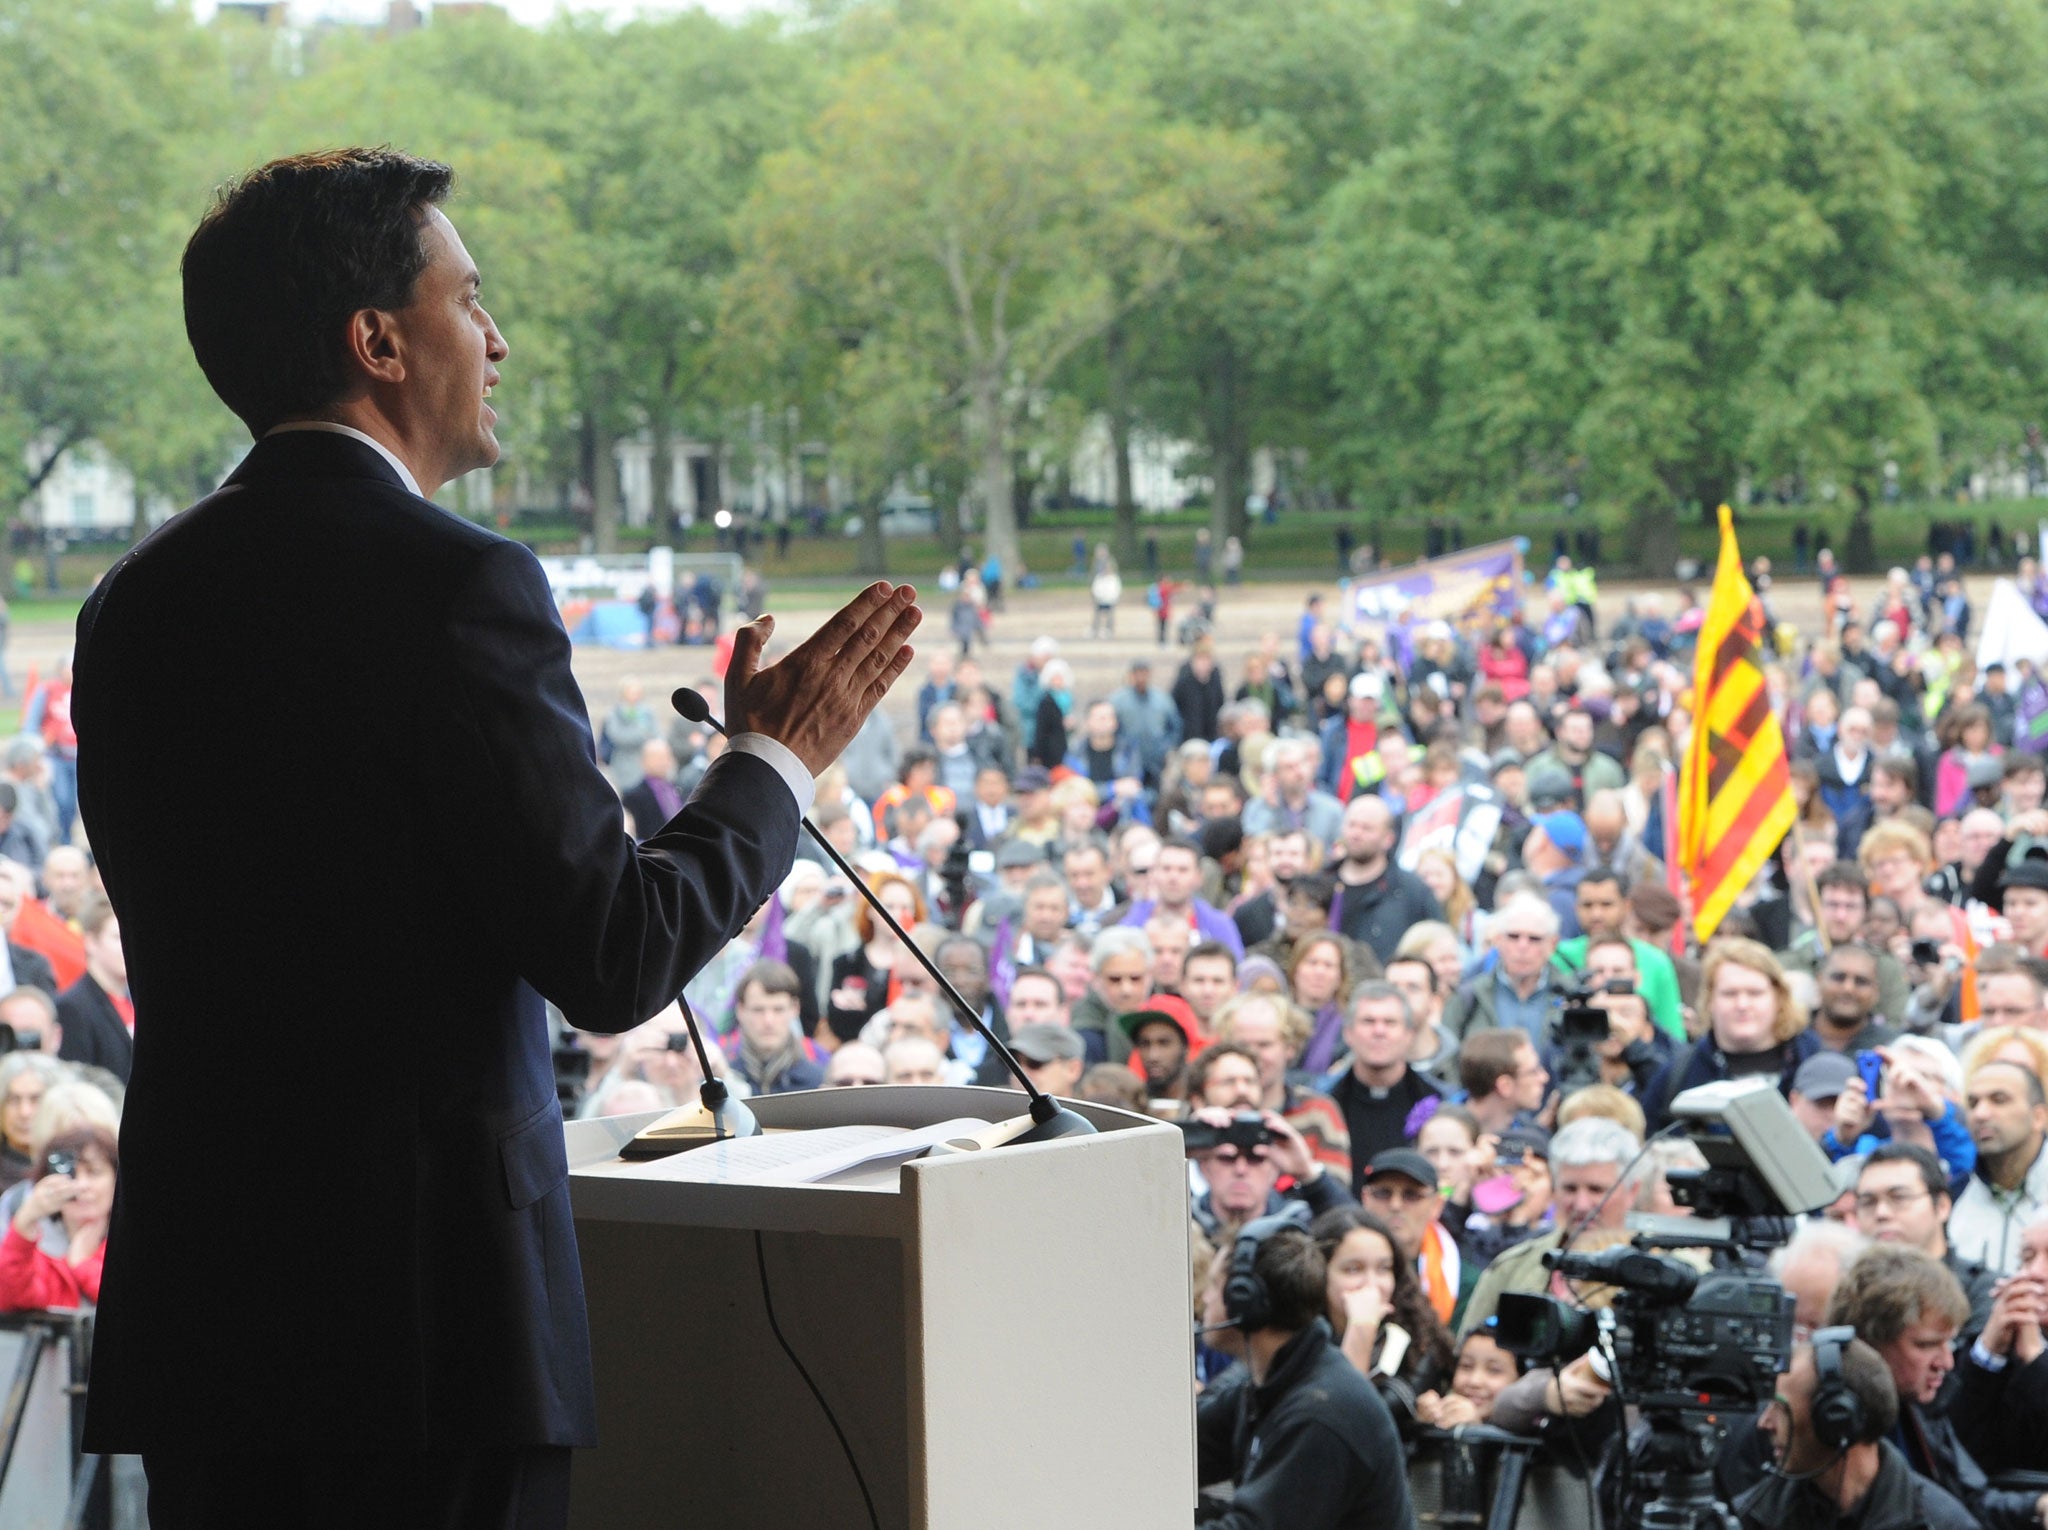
(375, 346)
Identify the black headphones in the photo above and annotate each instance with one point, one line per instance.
(1246, 1301)
(1839, 1417)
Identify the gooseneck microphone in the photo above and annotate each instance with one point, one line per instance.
(1051, 1118)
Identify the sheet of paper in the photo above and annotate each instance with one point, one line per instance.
(801, 1158)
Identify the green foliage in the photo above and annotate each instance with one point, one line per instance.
(1443, 257)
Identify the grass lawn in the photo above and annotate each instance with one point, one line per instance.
(1300, 544)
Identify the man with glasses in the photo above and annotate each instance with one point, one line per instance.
(1401, 1190)
(1844, 905)
(1902, 1197)
(1243, 1183)
(1847, 1020)
(1521, 991)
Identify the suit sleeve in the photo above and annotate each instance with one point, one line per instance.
(608, 930)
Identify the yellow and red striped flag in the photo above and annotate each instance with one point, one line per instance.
(1735, 792)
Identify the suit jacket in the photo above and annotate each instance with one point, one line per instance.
(398, 1241)
(94, 1032)
(32, 969)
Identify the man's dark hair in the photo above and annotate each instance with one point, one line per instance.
(1931, 1173)
(1870, 1379)
(1601, 874)
(1655, 906)
(771, 977)
(1210, 950)
(1181, 842)
(283, 259)
(1040, 974)
(1317, 887)
(1901, 769)
(1488, 1057)
(1843, 874)
(1430, 977)
(913, 758)
(1198, 1074)
(1619, 942)
(1296, 1278)
(2022, 762)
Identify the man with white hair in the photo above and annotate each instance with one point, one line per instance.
(1587, 1161)
(1289, 798)
(1520, 990)
(1845, 772)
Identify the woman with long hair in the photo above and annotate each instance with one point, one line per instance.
(1319, 976)
(1963, 734)
(1374, 1295)
(868, 978)
(1439, 872)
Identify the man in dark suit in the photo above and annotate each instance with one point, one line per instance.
(386, 1326)
(96, 1013)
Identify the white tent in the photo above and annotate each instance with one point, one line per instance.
(2011, 630)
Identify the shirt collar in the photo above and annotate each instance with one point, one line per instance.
(404, 473)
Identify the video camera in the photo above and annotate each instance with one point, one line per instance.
(1247, 1130)
(1686, 1346)
(1581, 1028)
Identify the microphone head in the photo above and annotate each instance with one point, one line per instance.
(690, 701)
(1061, 1123)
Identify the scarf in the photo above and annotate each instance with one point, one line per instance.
(1439, 1267)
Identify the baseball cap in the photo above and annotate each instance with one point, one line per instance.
(1019, 852)
(1564, 829)
(1985, 770)
(1549, 786)
(1403, 1161)
(1365, 686)
(1506, 759)
(1521, 1141)
(1042, 1044)
(2030, 870)
(1032, 778)
(1823, 1075)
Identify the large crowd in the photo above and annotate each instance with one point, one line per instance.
(1189, 894)
(1195, 895)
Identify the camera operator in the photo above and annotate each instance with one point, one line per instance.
(1908, 1307)
(1586, 1163)
(1300, 1433)
(1241, 1159)
(1834, 1465)
(1635, 1050)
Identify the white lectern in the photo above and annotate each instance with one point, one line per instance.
(1004, 1336)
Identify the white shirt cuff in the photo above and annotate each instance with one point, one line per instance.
(1985, 1358)
(781, 759)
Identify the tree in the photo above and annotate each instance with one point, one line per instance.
(98, 101)
(988, 215)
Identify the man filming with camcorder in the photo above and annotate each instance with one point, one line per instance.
(1629, 1051)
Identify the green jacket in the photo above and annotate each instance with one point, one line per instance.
(1656, 978)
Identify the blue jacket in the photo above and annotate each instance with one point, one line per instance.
(1953, 1144)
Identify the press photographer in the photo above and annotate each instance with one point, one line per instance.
(1241, 1159)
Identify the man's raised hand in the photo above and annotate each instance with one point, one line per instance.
(814, 699)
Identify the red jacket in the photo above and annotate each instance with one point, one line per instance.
(30, 1279)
